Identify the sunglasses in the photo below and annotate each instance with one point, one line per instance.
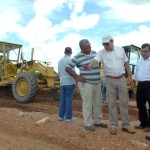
(105, 44)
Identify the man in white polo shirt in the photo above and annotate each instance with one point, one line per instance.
(114, 62)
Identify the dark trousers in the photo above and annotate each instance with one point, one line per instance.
(143, 96)
(103, 93)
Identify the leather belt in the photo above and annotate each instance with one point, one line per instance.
(141, 82)
(118, 77)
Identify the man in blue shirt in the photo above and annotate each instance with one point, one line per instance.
(67, 85)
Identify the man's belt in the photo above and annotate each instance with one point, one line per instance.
(143, 82)
(118, 77)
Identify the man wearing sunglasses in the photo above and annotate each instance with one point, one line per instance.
(114, 62)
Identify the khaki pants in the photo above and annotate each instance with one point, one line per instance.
(91, 98)
(117, 88)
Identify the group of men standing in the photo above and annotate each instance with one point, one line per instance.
(114, 62)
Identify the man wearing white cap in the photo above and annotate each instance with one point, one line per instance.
(114, 62)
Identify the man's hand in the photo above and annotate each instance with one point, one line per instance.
(88, 68)
(81, 79)
(131, 82)
(134, 82)
(92, 63)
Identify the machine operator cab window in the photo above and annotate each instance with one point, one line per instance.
(133, 54)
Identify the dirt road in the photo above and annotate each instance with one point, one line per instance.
(22, 133)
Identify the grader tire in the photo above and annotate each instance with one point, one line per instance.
(24, 87)
(55, 93)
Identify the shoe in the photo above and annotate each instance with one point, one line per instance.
(89, 128)
(113, 131)
(147, 129)
(147, 137)
(60, 119)
(102, 125)
(129, 130)
(139, 127)
(69, 120)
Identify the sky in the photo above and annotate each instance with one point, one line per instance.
(49, 26)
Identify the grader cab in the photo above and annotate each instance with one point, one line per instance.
(133, 54)
(25, 77)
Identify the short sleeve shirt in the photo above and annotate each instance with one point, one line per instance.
(92, 76)
(112, 61)
(65, 78)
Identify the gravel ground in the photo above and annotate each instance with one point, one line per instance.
(20, 132)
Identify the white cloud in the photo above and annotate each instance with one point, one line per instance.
(37, 31)
(136, 37)
(44, 7)
(134, 2)
(82, 22)
(128, 11)
(9, 19)
(78, 5)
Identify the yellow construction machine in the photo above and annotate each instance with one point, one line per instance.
(133, 54)
(25, 77)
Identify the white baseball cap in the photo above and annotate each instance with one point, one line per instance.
(106, 38)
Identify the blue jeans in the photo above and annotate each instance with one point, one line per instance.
(103, 93)
(65, 107)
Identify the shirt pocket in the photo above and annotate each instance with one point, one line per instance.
(107, 59)
(147, 67)
(118, 56)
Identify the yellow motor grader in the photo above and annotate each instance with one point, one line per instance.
(25, 77)
(133, 54)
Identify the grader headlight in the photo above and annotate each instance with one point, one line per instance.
(36, 61)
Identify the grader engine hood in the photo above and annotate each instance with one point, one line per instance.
(48, 73)
(45, 70)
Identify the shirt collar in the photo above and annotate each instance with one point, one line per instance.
(87, 54)
(146, 59)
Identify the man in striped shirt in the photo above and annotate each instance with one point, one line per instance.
(89, 85)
